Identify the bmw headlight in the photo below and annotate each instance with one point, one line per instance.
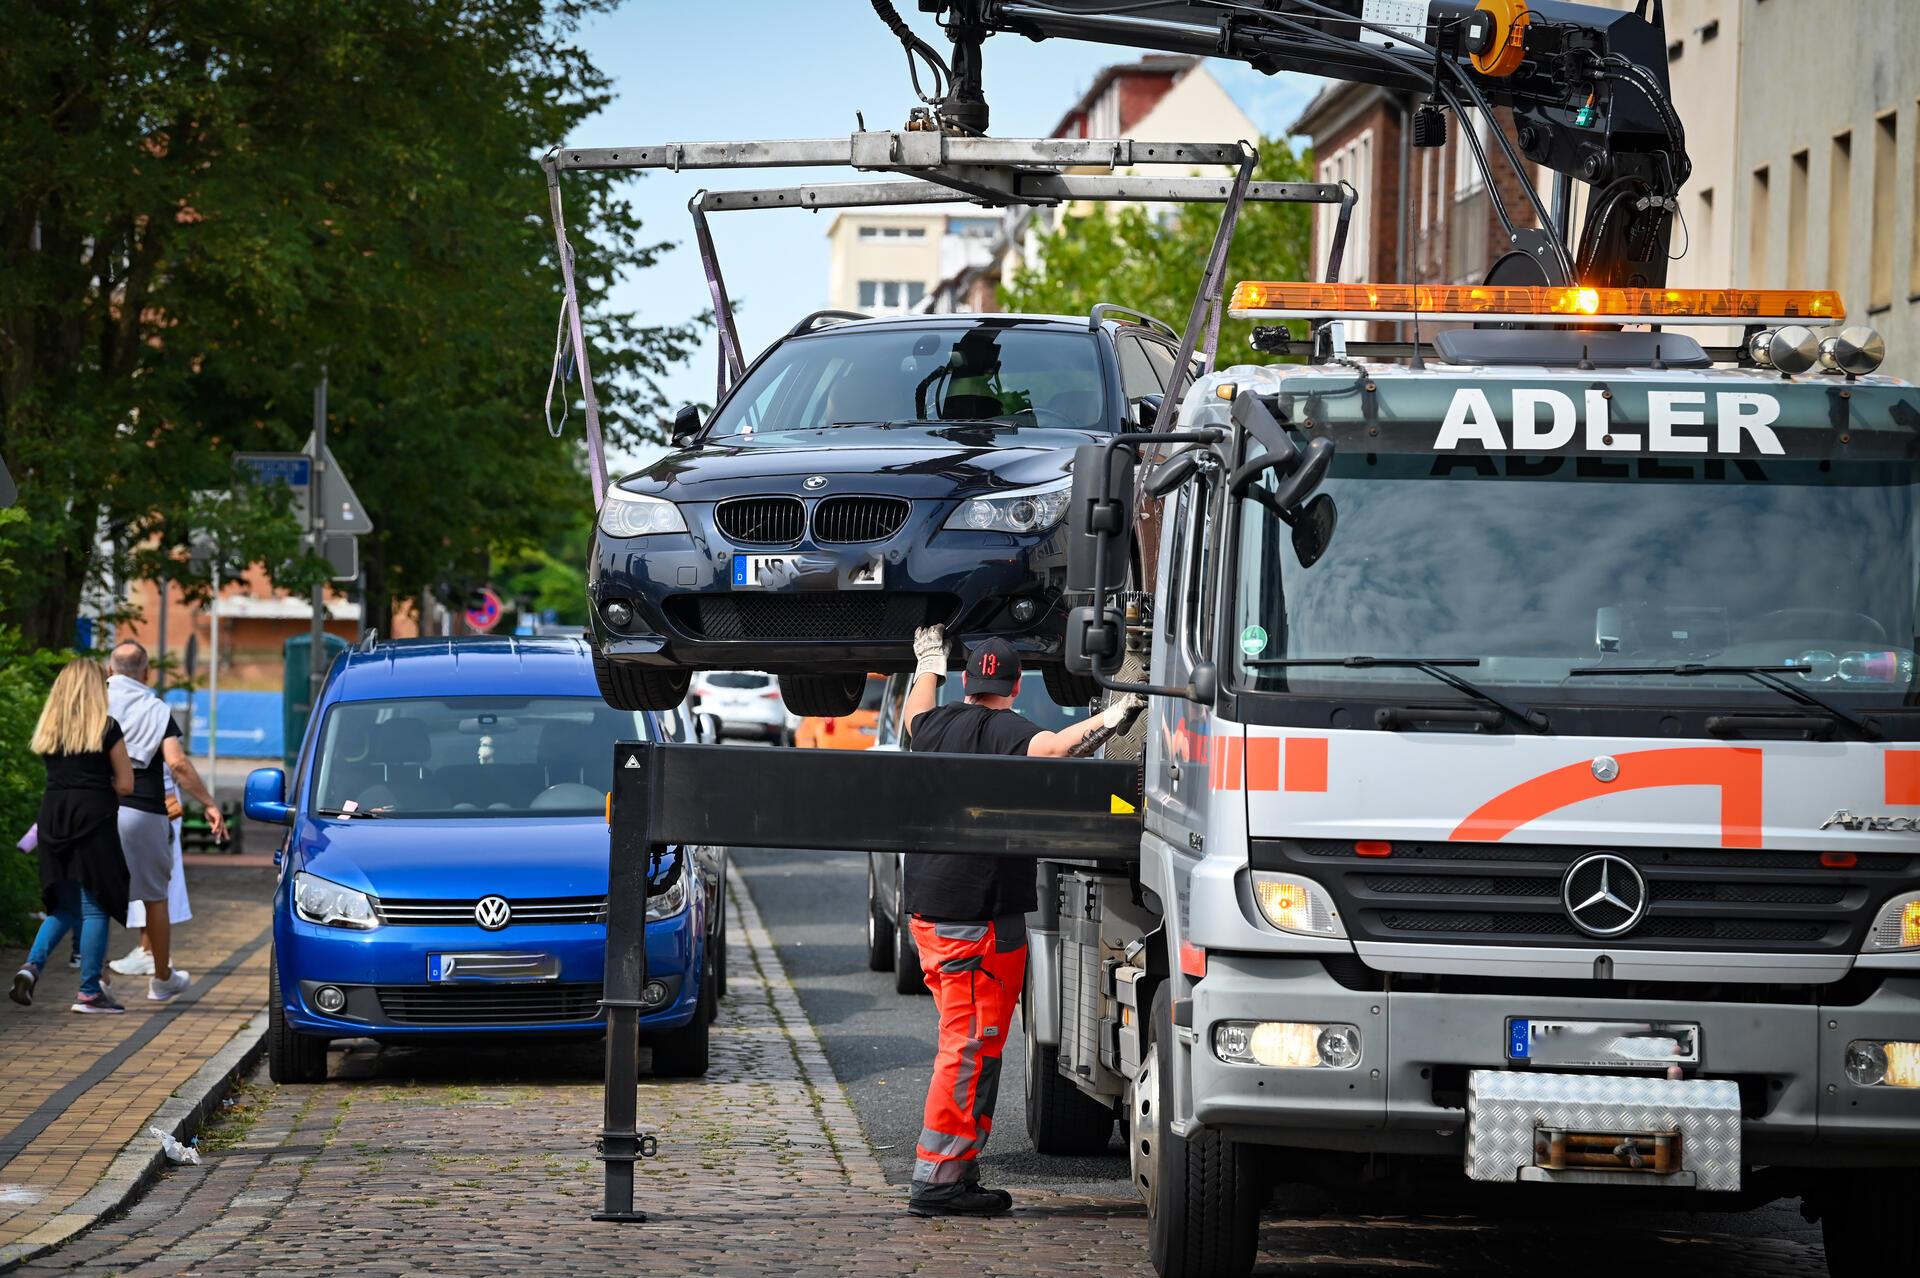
(319, 900)
(626, 514)
(668, 901)
(1027, 510)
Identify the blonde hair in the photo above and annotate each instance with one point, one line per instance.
(74, 720)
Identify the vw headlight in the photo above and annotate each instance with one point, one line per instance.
(626, 514)
(322, 901)
(669, 901)
(1027, 510)
(1296, 905)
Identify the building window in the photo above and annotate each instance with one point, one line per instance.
(893, 232)
(1352, 163)
(1797, 221)
(1839, 211)
(1759, 210)
(1466, 170)
(1886, 152)
(891, 295)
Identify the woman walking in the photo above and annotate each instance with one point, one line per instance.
(83, 876)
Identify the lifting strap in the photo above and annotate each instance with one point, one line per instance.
(570, 326)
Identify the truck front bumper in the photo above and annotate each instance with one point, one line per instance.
(1407, 1092)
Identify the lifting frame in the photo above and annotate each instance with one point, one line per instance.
(932, 168)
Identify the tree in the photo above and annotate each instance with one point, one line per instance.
(202, 201)
(1154, 265)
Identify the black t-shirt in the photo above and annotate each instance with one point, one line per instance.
(150, 783)
(954, 888)
(88, 770)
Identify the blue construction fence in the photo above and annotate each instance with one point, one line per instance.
(251, 726)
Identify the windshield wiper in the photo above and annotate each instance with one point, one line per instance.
(1766, 675)
(348, 812)
(1434, 666)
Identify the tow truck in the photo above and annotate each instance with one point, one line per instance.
(1528, 799)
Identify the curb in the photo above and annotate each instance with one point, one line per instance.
(180, 1115)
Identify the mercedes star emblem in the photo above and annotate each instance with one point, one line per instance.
(815, 483)
(492, 913)
(1604, 894)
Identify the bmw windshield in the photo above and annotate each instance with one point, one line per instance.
(1011, 374)
(1642, 532)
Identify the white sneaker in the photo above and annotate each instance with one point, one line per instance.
(137, 962)
(166, 991)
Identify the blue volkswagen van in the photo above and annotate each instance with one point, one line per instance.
(444, 872)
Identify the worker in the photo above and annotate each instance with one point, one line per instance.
(968, 917)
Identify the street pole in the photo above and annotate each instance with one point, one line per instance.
(317, 654)
(213, 680)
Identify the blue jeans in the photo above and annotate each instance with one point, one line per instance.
(74, 910)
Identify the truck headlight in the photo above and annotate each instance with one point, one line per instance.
(1896, 927)
(670, 901)
(1296, 905)
(325, 902)
(626, 514)
(1025, 511)
(1287, 1044)
(1876, 1064)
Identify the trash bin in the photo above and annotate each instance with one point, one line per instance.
(296, 701)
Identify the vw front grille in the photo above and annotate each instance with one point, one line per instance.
(456, 913)
(537, 1004)
(848, 520)
(761, 521)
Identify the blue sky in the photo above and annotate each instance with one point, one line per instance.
(709, 70)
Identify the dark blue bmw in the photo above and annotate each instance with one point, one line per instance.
(863, 478)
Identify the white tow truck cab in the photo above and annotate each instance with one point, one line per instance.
(1530, 792)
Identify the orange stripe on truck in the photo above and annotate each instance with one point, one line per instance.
(1307, 765)
(1903, 776)
(1734, 770)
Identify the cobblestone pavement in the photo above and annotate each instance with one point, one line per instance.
(476, 1162)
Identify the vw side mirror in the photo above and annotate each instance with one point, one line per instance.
(686, 425)
(1099, 518)
(266, 797)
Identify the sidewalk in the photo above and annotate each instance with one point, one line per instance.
(80, 1091)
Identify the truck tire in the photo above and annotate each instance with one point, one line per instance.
(1069, 690)
(822, 696)
(292, 1057)
(907, 976)
(1202, 1192)
(628, 687)
(1864, 1221)
(1061, 1119)
(684, 1052)
(879, 928)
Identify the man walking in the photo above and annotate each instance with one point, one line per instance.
(153, 744)
(968, 917)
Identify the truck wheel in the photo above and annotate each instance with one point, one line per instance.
(1061, 1119)
(907, 976)
(822, 696)
(1864, 1221)
(1070, 690)
(879, 928)
(292, 1057)
(683, 1053)
(1203, 1204)
(627, 687)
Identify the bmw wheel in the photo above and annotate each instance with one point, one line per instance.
(628, 687)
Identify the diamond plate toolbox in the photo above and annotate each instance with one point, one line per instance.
(1505, 1108)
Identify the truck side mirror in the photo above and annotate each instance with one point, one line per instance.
(1303, 468)
(1205, 687)
(1100, 517)
(686, 425)
(1094, 641)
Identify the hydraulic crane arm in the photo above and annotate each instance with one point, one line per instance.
(1587, 86)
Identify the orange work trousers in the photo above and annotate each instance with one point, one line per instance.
(974, 971)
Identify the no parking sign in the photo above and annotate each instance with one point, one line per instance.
(483, 613)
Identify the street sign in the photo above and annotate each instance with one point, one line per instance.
(342, 551)
(340, 507)
(295, 470)
(483, 613)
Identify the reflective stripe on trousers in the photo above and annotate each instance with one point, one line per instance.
(974, 971)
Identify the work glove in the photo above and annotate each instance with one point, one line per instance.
(1121, 710)
(930, 651)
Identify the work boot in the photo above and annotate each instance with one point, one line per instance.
(964, 1199)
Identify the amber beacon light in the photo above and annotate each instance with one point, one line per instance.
(1254, 299)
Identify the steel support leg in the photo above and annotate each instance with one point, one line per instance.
(630, 860)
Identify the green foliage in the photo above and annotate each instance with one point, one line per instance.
(551, 575)
(203, 201)
(1136, 259)
(25, 677)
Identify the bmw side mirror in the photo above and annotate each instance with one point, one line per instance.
(1100, 517)
(1146, 411)
(686, 425)
(266, 797)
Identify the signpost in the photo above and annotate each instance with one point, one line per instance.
(336, 519)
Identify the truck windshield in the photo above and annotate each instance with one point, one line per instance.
(1015, 375)
(489, 756)
(1541, 565)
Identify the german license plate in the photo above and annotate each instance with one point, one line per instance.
(778, 572)
(1601, 1044)
(492, 967)
(758, 572)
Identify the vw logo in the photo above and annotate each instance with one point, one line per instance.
(814, 483)
(1604, 894)
(492, 913)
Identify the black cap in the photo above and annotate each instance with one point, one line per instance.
(992, 669)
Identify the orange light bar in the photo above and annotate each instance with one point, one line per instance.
(1253, 299)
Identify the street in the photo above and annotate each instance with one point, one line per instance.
(475, 1161)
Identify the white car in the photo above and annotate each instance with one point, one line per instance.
(746, 702)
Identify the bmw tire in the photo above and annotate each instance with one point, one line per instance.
(628, 687)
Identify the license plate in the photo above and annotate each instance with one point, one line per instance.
(1598, 1044)
(776, 572)
(491, 967)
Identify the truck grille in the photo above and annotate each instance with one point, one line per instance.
(1509, 894)
(846, 520)
(489, 1004)
(849, 615)
(459, 912)
(761, 521)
